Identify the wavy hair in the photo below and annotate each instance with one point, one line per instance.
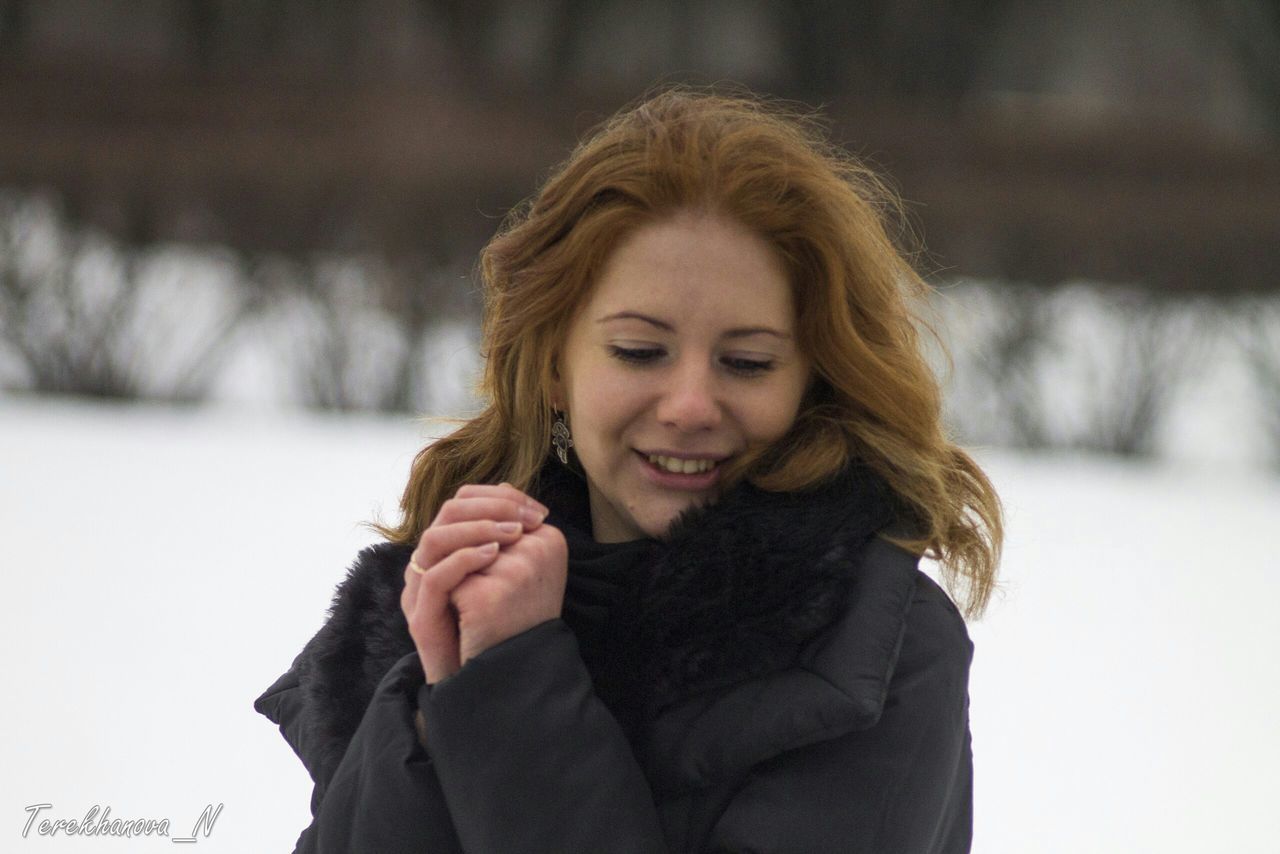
(873, 397)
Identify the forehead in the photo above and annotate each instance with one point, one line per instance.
(693, 266)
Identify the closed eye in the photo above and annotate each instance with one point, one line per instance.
(646, 355)
(748, 367)
(638, 355)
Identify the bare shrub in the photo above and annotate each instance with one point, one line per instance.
(1082, 366)
(1259, 334)
(356, 333)
(1125, 351)
(80, 314)
(996, 335)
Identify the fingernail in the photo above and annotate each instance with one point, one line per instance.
(509, 527)
(531, 517)
(536, 504)
(488, 548)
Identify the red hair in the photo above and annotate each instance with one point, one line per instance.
(874, 398)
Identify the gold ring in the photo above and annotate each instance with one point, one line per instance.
(413, 564)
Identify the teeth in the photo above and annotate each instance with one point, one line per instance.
(676, 466)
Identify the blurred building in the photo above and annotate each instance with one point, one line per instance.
(1036, 140)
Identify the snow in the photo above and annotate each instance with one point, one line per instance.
(169, 563)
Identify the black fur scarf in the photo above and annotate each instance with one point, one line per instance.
(735, 591)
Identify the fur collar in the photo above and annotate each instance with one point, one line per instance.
(734, 592)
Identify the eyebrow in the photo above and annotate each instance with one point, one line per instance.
(739, 332)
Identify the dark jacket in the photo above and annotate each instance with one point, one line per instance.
(803, 688)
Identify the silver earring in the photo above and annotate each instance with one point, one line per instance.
(560, 438)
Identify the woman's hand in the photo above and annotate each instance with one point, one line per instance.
(492, 570)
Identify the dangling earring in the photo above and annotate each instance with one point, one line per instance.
(560, 437)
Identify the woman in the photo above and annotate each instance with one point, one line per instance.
(662, 593)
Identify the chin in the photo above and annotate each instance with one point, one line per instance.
(659, 528)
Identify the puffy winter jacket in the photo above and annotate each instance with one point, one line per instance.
(806, 691)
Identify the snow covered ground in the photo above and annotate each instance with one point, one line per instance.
(164, 566)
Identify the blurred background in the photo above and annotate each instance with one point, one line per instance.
(280, 201)
(237, 241)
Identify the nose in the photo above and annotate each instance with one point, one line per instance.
(691, 401)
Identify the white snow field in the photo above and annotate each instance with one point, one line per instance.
(164, 566)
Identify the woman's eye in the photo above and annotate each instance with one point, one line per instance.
(748, 366)
(639, 355)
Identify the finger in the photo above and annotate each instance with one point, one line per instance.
(412, 578)
(430, 616)
(439, 541)
(413, 572)
(501, 490)
(493, 508)
(435, 585)
(434, 632)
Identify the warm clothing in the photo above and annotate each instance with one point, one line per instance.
(772, 677)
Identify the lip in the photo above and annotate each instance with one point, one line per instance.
(695, 482)
(684, 455)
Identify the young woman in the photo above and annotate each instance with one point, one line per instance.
(662, 593)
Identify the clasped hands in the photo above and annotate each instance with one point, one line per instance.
(492, 569)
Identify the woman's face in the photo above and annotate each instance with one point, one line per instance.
(683, 356)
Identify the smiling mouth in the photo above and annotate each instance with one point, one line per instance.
(675, 465)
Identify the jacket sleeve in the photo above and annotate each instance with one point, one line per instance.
(383, 794)
(900, 786)
(523, 757)
(546, 768)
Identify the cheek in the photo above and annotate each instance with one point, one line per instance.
(773, 412)
(602, 409)
(772, 425)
